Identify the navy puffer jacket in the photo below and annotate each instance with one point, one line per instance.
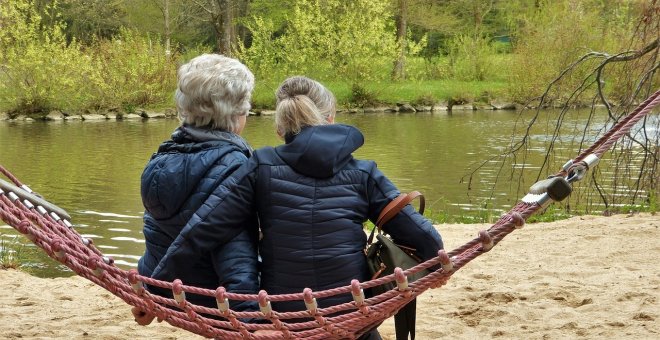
(312, 198)
(175, 183)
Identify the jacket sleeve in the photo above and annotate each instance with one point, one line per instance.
(236, 265)
(225, 214)
(408, 228)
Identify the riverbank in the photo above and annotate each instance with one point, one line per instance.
(401, 107)
(591, 277)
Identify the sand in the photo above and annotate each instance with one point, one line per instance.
(586, 277)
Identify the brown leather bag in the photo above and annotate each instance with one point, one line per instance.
(384, 255)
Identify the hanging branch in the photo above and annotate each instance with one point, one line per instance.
(519, 146)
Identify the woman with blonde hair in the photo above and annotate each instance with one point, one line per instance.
(312, 198)
(212, 100)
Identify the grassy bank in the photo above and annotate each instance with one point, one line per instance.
(392, 92)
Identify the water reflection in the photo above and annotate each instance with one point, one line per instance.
(93, 170)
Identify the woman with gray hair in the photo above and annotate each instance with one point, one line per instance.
(213, 100)
(312, 198)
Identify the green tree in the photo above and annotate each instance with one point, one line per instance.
(87, 20)
(351, 40)
(556, 33)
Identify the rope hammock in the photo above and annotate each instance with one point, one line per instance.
(49, 227)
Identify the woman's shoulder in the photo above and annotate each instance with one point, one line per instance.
(365, 165)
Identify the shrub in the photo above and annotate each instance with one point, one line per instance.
(41, 71)
(361, 97)
(427, 99)
(136, 71)
(10, 252)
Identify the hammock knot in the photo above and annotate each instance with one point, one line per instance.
(24, 226)
(12, 196)
(221, 300)
(55, 216)
(517, 219)
(57, 249)
(137, 286)
(93, 264)
(445, 261)
(486, 240)
(28, 204)
(310, 301)
(177, 291)
(401, 281)
(108, 260)
(358, 296)
(42, 210)
(264, 304)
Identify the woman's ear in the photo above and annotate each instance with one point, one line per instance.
(331, 119)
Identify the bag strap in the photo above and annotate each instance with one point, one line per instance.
(394, 207)
(397, 204)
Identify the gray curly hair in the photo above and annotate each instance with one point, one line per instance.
(213, 92)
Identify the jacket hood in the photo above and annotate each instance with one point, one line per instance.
(321, 151)
(185, 166)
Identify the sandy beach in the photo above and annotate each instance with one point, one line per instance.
(587, 277)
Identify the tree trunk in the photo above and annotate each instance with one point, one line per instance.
(166, 14)
(224, 26)
(399, 71)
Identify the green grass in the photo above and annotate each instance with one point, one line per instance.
(11, 252)
(389, 93)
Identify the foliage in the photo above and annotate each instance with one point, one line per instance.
(362, 97)
(10, 252)
(78, 54)
(470, 57)
(426, 99)
(103, 19)
(263, 56)
(136, 71)
(325, 39)
(41, 71)
(558, 33)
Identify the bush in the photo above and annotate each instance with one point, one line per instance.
(136, 71)
(427, 99)
(470, 58)
(361, 97)
(550, 40)
(41, 71)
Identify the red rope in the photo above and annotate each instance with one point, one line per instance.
(347, 320)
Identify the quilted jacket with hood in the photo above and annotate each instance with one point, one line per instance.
(175, 183)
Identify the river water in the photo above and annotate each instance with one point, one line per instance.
(92, 169)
